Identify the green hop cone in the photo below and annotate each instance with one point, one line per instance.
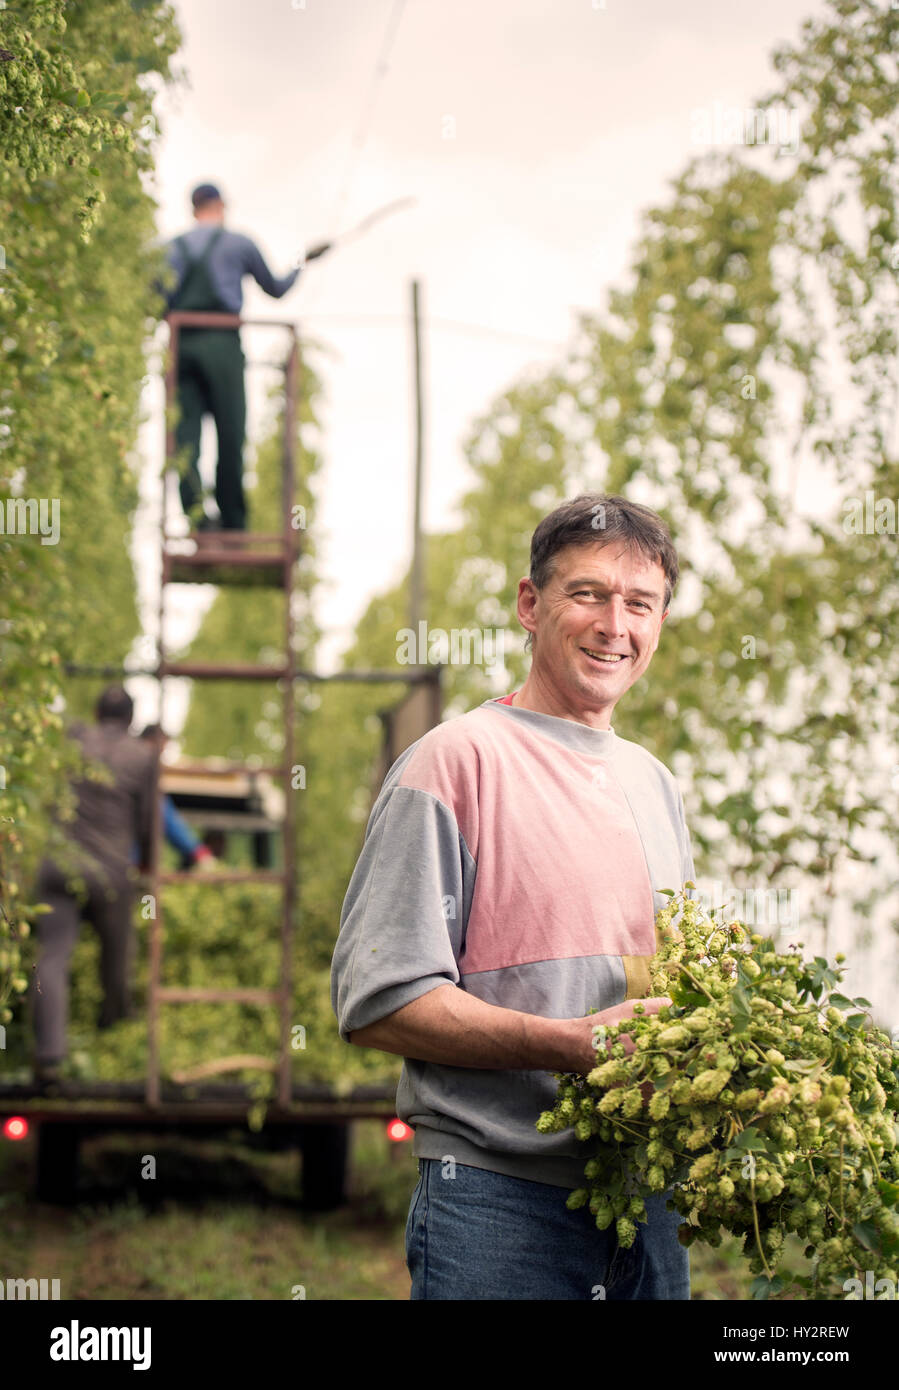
(703, 1167)
(675, 1035)
(632, 1104)
(778, 1098)
(659, 1105)
(655, 1178)
(604, 1216)
(626, 1232)
(708, 1083)
(576, 1199)
(611, 1101)
(608, 1073)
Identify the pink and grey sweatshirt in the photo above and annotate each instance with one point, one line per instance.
(518, 856)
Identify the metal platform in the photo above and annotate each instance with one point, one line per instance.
(108, 1104)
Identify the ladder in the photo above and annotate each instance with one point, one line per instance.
(243, 559)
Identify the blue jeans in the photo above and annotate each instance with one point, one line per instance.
(482, 1235)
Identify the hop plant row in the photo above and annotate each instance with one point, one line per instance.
(761, 1100)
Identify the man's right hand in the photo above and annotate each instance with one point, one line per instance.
(583, 1055)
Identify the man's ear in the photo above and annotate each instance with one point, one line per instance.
(526, 591)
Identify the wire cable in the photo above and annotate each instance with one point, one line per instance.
(476, 329)
(360, 134)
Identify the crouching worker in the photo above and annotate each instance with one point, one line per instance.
(111, 817)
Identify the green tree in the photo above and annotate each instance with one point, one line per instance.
(754, 342)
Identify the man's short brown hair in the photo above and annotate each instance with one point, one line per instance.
(115, 704)
(596, 517)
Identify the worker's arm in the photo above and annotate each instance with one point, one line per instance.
(450, 1026)
(176, 830)
(255, 265)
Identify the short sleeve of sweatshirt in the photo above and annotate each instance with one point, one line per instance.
(401, 927)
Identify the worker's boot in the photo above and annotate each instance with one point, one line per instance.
(205, 532)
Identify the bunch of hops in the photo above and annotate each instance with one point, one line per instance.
(761, 1100)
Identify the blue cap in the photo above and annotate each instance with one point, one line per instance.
(204, 193)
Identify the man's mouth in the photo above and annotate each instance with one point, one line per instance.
(605, 658)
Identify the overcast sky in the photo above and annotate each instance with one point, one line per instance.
(531, 133)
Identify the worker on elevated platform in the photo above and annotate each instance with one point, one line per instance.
(111, 816)
(210, 262)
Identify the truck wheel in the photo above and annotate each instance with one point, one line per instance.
(57, 1163)
(325, 1150)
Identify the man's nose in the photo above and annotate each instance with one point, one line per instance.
(611, 622)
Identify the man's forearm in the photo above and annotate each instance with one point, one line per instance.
(449, 1026)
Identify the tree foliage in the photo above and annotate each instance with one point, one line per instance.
(742, 382)
(77, 127)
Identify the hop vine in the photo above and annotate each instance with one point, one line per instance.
(762, 1098)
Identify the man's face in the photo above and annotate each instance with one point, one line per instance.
(213, 210)
(596, 624)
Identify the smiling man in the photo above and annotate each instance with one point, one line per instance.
(512, 867)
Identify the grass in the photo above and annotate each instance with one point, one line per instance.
(221, 1221)
(244, 1238)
